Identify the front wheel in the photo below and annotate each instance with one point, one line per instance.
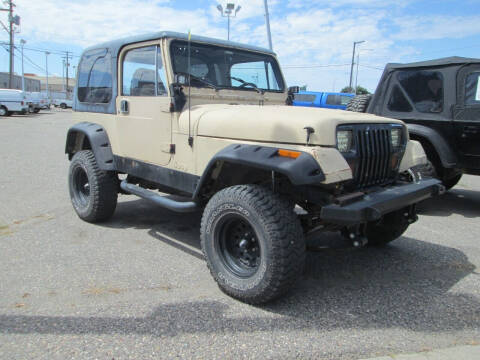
(3, 111)
(63, 105)
(253, 243)
(387, 229)
(93, 192)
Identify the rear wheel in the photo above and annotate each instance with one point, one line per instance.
(93, 192)
(63, 105)
(3, 111)
(36, 110)
(253, 243)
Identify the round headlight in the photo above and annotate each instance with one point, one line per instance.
(396, 137)
(344, 140)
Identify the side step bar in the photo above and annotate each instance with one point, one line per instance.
(178, 206)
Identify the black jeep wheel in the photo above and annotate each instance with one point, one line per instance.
(451, 182)
(93, 192)
(389, 228)
(253, 243)
(359, 103)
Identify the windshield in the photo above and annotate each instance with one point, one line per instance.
(226, 68)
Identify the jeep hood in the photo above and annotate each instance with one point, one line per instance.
(276, 124)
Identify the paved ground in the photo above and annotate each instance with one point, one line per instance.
(137, 287)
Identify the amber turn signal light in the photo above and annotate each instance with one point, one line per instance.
(289, 153)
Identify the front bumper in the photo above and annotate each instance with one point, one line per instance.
(373, 206)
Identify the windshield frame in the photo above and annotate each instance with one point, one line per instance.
(277, 73)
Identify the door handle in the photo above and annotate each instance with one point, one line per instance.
(124, 107)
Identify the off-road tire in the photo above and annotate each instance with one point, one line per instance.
(451, 182)
(427, 170)
(3, 111)
(389, 228)
(98, 203)
(359, 103)
(278, 234)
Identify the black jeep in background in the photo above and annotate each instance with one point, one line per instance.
(440, 102)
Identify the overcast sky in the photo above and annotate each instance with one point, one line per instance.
(312, 38)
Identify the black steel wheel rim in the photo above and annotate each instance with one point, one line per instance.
(81, 186)
(238, 245)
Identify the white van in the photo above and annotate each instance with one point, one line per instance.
(12, 101)
(37, 101)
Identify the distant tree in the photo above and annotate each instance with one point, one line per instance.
(360, 90)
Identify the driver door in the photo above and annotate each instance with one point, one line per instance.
(466, 114)
(143, 117)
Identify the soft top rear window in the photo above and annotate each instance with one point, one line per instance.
(95, 77)
(228, 68)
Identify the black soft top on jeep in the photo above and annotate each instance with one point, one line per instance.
(449, 68)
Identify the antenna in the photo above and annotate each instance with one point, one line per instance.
(190, 138)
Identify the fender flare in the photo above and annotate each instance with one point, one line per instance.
(304, 170)
(445, 153)
(99, 143)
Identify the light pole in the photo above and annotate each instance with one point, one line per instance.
(46, 68)
(267, 21)
(356, 74)
(229, 11)
(23, 73)
(355, 43)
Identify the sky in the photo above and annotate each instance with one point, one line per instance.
(313, 39)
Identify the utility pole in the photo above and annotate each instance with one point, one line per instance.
(46, 68)
(63, 74)
(355, 43)
(267, 20)
(67, 64)
(23, 72)
(10, 28)
(12, 20)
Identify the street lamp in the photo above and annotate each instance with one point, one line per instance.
(229, 11)
(358, 62)
(355, 43)
(23, 42)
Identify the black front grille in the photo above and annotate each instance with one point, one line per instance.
(374, 152)
(373, 159)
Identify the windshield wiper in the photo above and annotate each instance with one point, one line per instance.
(246, 83)
(196, 78)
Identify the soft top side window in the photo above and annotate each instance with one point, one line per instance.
(424, 88)
(95, 77)
(472, 89)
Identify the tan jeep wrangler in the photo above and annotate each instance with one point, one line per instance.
(209, 121)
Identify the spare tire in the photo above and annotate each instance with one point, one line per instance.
(359, 103)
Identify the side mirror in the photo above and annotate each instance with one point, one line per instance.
(178, 97)
(180, 79)
(294, 89)
(291, 91)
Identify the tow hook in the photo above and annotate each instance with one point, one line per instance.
(411, 215)
(354, 235)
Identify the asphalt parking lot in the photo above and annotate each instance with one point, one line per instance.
(137, 287)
